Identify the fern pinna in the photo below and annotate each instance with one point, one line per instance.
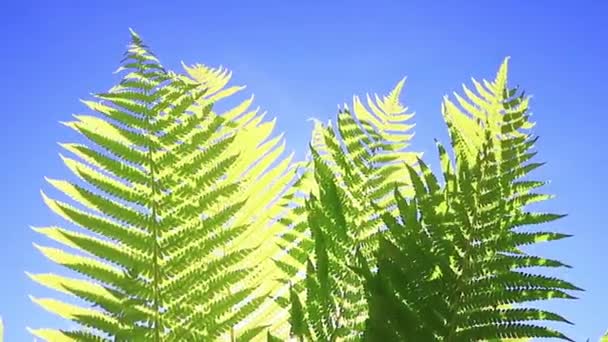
(158, 215)
(451, 266)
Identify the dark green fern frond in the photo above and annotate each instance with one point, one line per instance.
(450, 268)
(353, 164)
(335, 306)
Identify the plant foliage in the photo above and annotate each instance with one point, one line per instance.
(452, 265)
(165, 211)
(192, 225)
(352, 166)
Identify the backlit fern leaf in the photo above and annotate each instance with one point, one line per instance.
(155, 215)
(357, 163)
(450, 267)
(264, 174)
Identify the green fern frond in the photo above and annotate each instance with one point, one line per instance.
(359, 161)
(266, 177)
(450, 267)
(365, 154)
(155, 215)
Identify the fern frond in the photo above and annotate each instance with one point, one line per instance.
(154, 216)
(450, 268)
(351, 165)
(266, 177)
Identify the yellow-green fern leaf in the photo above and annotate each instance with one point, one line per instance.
(265, 173)
(154, 213)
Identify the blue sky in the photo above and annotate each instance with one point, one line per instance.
(301, 60)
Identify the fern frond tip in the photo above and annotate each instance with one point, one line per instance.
(133, 33)
(65, 123)
(30, 275)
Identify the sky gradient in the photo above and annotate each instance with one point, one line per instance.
(301, 59)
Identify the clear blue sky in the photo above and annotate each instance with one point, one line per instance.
(301, 60)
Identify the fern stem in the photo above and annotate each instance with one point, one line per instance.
(154, 229)
(465, 270)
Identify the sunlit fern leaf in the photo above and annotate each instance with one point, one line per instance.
(493, 195)
(361, 157)
(495, 109)
(266, 176)
(153, 216)
(368, 151)
(450, 267)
